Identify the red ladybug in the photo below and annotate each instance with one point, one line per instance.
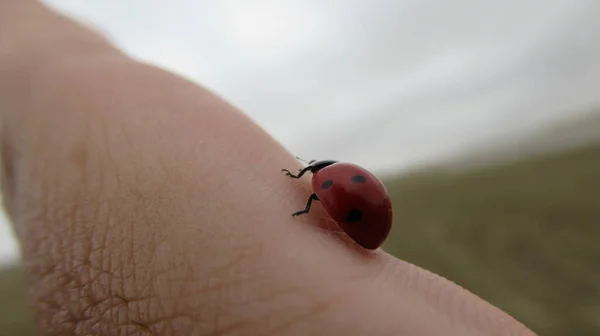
(356, 199)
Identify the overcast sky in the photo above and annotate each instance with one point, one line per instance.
(385, 83)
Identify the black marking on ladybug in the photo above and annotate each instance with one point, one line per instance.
(358, 179)
(326, 184)
(354, 215)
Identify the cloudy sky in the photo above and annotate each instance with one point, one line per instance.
(386, 83)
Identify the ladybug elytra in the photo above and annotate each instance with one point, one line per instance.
(355, 198)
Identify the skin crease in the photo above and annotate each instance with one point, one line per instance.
(147, 205)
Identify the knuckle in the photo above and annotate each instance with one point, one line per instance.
(86, 277)
(97, 274)
(82, 287)
(96, 270)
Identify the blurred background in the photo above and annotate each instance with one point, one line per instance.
(482, 117)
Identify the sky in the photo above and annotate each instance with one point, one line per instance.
(388, 84)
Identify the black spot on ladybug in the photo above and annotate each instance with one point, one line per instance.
(358, 179)
(354, 215)
(326, 184)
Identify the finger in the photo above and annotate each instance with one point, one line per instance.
(145, 203)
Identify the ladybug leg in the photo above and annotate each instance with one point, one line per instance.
(309, 163)
(302, 172)
(312, 197)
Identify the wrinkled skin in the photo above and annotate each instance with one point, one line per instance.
(145, 205)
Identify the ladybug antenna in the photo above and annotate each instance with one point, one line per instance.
(307, 162)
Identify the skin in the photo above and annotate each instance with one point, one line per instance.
(145, 204)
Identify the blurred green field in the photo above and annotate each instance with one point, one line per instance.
(15, 319)
(522, 236)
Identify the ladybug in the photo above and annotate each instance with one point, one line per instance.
(355, 198)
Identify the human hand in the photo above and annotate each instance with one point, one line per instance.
(147, 205)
